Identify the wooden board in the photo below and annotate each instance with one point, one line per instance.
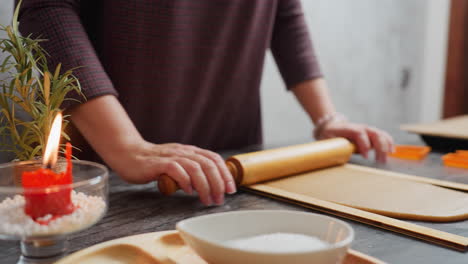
(375, 191)
(165, 247)
(456, 127)
(420, 232)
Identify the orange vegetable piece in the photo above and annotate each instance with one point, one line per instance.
(410, 152)
(462, 153)
(458, 159)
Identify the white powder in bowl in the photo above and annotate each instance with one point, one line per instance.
(14, 222)
(278, 243)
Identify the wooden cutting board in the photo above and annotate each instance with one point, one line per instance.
(375, 191)
(165, 247)
(456, 127)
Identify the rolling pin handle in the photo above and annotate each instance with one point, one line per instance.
(167, 185)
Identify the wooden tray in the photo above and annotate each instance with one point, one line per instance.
(445, 135)
(455, 127)
(165, 247)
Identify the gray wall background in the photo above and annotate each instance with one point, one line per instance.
(378, 58)
(375, 56)
(6, 9)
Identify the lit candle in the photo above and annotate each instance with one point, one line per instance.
(50, 202)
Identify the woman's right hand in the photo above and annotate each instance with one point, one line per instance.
(107, 127)
(191, 167)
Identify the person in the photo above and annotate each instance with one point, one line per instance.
(168, 83)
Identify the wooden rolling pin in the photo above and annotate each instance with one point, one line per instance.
(271, 164)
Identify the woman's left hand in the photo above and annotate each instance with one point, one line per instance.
(364, 137)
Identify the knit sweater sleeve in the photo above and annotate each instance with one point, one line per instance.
(291, 45)
(58, 21)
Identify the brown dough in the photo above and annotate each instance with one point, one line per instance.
(374, 191)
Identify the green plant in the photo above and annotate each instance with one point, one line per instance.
(30, 88)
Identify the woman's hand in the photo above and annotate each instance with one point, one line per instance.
(314, 98)
(106, 126)
(191, 167)
(364, 137)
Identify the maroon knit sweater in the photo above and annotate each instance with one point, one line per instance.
(185, 71)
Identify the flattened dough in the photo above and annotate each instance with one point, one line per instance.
(375, 191)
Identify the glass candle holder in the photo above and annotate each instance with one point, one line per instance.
(44, 239)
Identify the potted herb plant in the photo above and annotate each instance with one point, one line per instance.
(31, 95)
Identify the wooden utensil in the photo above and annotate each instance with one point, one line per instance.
(271, 164)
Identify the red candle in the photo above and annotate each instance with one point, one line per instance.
(50, 202)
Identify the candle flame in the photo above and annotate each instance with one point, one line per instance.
(53, 141)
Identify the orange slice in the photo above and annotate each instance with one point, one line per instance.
(458, 159)
(410, 152)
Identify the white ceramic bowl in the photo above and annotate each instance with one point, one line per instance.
(208, 234)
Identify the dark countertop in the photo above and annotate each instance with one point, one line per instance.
(136, 209)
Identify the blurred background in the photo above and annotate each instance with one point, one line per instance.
(385, 62)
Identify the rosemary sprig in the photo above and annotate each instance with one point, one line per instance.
(31, 90)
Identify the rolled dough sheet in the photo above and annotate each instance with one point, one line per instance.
(376, 191)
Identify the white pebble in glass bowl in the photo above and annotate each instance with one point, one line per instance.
(44, 240)
(267, 236)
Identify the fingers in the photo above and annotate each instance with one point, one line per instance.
(198, 179)
(379, 144)
(188, 151)
(358, 136)
(365, 138)
(391, 144)
(178, 174)
(382, 143)
(206, 170)
(212, 175)
(363, 143)
(228, 179)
